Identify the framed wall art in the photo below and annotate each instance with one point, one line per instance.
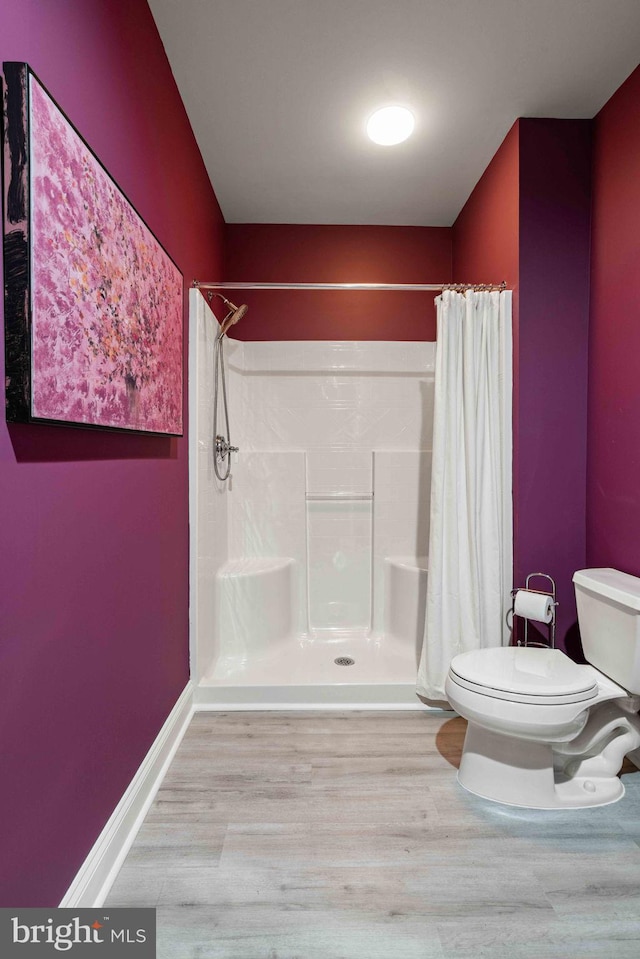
(93, 302)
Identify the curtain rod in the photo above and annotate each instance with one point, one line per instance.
(399, 287)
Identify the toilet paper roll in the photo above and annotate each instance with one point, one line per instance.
(532, 605)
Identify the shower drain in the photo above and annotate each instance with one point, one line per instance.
(344, 661)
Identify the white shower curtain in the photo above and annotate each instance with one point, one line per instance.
(470, 535)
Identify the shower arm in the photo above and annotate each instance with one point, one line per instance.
(234, 313)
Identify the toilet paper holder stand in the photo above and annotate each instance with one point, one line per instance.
(544, 592)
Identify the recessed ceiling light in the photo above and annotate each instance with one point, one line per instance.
(390, 125)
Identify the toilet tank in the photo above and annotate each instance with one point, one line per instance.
(609, 616)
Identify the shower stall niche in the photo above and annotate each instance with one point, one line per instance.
(308, 565)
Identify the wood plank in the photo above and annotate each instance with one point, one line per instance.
(346, 836)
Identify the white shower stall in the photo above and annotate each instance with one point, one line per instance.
(308, 565)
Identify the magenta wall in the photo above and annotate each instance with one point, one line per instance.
(301, 253)
(551, 429)
(527, 221)
(613, 500)
(94, 560)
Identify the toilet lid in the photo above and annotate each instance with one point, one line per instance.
(526, 671)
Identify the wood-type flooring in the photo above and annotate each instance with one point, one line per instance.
(333, 835)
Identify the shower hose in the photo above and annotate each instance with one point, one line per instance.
(222, 447)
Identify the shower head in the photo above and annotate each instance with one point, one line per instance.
(235, 312)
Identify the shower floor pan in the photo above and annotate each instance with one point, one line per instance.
(301, 672)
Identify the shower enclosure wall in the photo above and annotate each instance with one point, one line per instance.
(314, 549)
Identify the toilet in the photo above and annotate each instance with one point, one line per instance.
(545, 732)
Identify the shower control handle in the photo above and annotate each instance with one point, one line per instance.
(223, 448)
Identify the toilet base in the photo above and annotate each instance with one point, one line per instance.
(519, 772)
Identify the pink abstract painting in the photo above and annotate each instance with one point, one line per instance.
(106, 299)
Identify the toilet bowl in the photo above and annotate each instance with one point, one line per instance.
(545, 732)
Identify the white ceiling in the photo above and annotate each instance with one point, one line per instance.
(278, 93)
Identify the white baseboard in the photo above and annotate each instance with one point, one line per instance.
(97, 873)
